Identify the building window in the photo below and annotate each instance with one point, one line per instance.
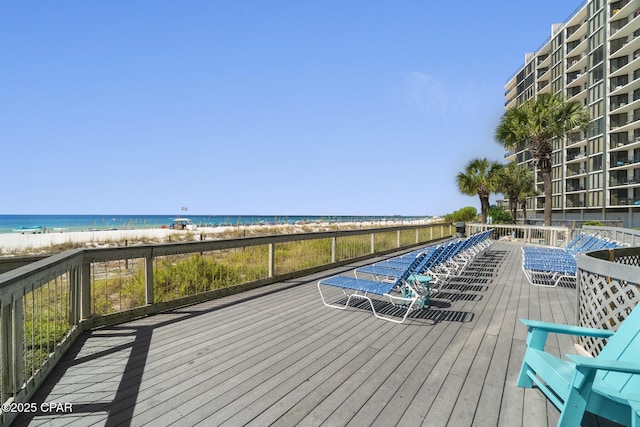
(597, 56)
(597, 74)
(597, 127)
(595, 199)
(596, 145)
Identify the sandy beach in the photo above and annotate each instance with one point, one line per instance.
(18, 242)
(23, 244)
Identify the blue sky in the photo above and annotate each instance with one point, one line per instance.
(254, 107)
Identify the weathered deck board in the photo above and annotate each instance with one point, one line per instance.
(282, 358)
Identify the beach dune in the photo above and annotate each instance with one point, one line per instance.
(19, 243)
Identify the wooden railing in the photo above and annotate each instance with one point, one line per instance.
(623, 235)
(533, 234)
(45, 304)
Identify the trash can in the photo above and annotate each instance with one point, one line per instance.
(460, 229)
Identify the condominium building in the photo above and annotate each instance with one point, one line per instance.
(593, 58)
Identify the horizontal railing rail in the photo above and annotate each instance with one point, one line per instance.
(608, 284)
(622, 235)
(533, 234)
(46, 303)
(13, 262)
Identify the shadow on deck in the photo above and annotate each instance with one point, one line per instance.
(280, 357)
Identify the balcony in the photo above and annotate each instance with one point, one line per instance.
(625, 122)
(275, 354)
(576, 32)
(621, 160)
(623, 141)
(510, 155)
(576, 171)
(578, 78)
(576, 47)
(576, 63)
(622, 201)
(621, 10)
(574, 91)
(573, 155)
(627, 48)
(544, 60)
(544, 87)
(622, 70)
(625, 84)
(543, 73)
(574, 203)
(624, 105)
(574, 185)
(625, 195)
(576, 138)
(624, 178)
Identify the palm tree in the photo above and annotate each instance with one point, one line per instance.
(480, 177)
(516, 182)
(534, 124)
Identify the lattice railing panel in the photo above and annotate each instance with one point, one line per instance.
(604, 303)
(628, 260)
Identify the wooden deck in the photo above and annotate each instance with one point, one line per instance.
(278, 356)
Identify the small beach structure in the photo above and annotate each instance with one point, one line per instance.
(34, 229)
(183, 224)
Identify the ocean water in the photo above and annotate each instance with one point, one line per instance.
(53, 223)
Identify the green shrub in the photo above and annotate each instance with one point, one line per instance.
(466, 214)
(499, 215)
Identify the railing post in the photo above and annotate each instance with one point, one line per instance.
(373, 243)
(430, 233)
(7, 353)
(18, 345)
(271, 259)
(85, 291)
(417, 236)
(398, 243)
(148, 280)
(334, 244)
(74, 293)
(12, 347)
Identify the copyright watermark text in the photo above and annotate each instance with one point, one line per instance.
(45, 407)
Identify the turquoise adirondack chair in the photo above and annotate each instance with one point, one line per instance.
(607, 385)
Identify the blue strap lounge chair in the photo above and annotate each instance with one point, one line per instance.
(543, 266)
(455, 256)
(547, 267)
(585, 244)
(402, 262)
(394, 268)
(448, 262)
(401, 290)
(607, 385)
(418, 277)
(574, 242)
(432, 266)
